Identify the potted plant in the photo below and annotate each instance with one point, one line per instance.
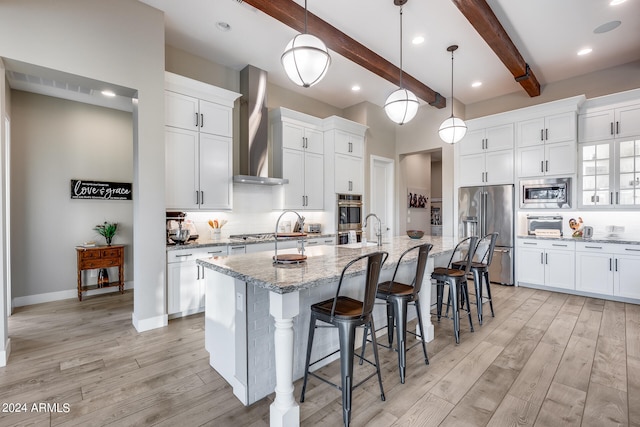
(107, 230)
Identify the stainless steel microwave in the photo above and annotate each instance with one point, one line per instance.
(549, 193)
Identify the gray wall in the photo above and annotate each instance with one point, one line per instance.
(122, 42)
(54, 141)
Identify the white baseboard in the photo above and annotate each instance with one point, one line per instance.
(4, 354)
(143, 325)
(60, 295)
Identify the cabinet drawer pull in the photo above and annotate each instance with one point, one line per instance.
(541, 166)
(541, 134)
(546, 163)
(546, 258)
(184, 255)
(541, 258)
(632, 250)
(546, 134)
(558, 244)
(618, 127)
(237, 247)
(616, 264)
(328, 241)
(611, 123)
(529, 243)
(610, 264)
(312, 243)
(593, 247)
(214, 252)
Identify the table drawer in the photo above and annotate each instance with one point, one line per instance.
(110, 253)
(90, 254)
(100, 263)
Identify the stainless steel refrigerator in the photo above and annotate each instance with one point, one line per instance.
(488, 209)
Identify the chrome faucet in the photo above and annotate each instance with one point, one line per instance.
(379, 231)
(300, 224)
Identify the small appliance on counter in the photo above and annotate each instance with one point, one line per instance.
(179, 231)
(314, 228)
(544, 225)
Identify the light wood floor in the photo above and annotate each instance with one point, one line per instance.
(546, 359)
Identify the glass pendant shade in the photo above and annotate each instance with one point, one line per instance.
(306, 60)
(452, 130)
(401, 106)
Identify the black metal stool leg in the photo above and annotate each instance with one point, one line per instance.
(390, 320)
(454, 305)
(377, 360)
(465, 293)
(347, 334)
(364, 342)
(312, 329)
(422, 331)
(400, 308)
(439, 294)
(477, 283)
(486, 278)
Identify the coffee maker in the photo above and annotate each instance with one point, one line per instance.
(174, 220)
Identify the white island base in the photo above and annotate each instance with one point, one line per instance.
(257, 337)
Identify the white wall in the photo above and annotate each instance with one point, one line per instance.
(122, 42)
(54, 141)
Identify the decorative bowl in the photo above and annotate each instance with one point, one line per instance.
(415, 234)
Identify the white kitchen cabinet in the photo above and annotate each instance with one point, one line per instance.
(609, 175)
(547, 145)
(299, 140)
(599, 124)
(348, 174)
(485, 156)
(185, 279)
(198, 170)
(547, 159)
(494, 138)
(198, 145)
(608, 269)
(495, 167)
(546, 262)
(547, 130)
(345, 139)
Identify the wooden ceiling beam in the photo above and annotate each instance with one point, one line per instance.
(480, 15)
(291, 14)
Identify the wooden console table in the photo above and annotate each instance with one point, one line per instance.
(100, 257)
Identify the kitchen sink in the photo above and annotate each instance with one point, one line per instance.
(358, 245)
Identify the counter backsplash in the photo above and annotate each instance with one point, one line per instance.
(253, 212)
(598, 220)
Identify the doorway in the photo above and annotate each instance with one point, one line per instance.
(382, 195)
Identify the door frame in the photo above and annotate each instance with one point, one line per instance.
(389, 165)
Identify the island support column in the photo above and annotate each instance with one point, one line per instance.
(284, 411)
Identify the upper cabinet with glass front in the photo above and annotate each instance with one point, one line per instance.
(609, 152)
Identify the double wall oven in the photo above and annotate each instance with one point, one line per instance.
(349, 219)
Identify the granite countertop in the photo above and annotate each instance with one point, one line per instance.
(224, 241)
(324, 264)
(630, 240)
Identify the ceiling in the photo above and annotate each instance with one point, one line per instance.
(548, 34)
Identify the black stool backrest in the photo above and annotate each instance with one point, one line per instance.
(421, 265)
(491, 238)
(374, 265)
(472, 243)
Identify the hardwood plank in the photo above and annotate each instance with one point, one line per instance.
(605, 406)
(575, 367)
(610, 364)
(430, 410)
(632, 316)
(560, 329)
(563, 406)
(588, 324)
(453, 386)
(517, 353)
(513, 412)
(613, 320)
(633, 384)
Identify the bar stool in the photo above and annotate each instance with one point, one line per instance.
(398, 296)
(347, 314)
(480, 271)
(457, 281)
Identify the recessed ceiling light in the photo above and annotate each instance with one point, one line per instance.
(108, 93)
(612, 25)
(355, 88)
(418, 40)
(616, 2)
(584, 51)
(223, 26)
(476, 84)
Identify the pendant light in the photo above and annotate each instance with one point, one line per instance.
(453, 129)
(402, 105)
(306, 58)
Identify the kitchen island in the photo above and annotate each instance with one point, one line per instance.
(244, 292)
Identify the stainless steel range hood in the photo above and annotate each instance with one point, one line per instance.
(254, 142)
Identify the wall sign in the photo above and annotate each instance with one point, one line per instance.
(100, 190)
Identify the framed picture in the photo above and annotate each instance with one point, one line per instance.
(417, 198)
